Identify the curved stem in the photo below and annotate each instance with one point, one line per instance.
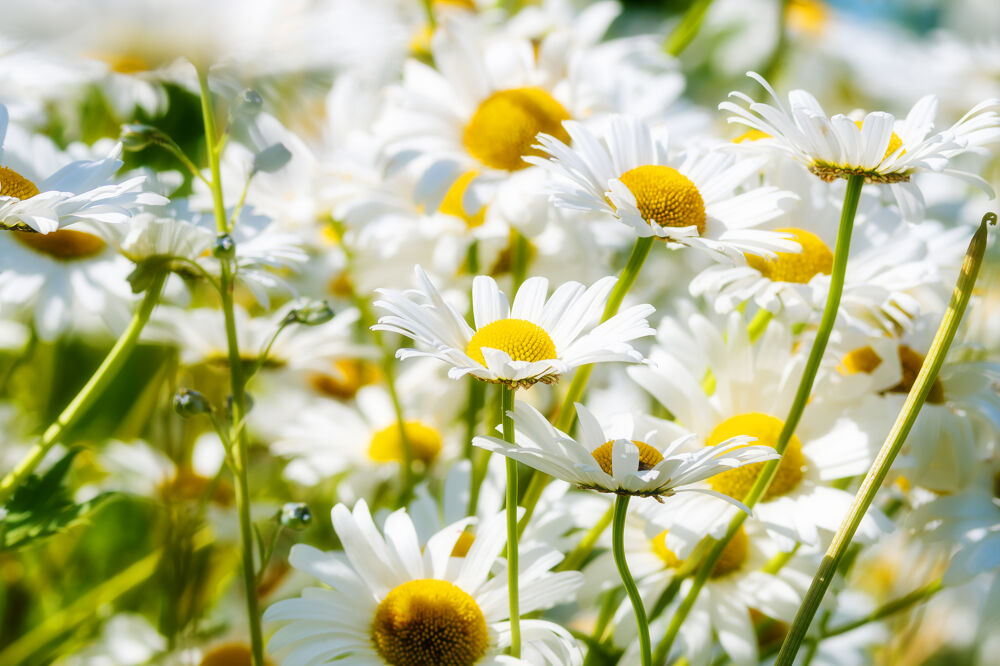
(688, 28)
(770, 469)
(618, 547)
(893, 442)
(567, 413)
(506, 406)
(576, 557)
(94, 387)
(237, 384)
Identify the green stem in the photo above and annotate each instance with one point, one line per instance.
(237, 384)
(567, 412)
(477, 396)
(94, 387)
(521, 253)
(770, 469)
(576, 557)
(893, 442)
(507, 406)
(688, 28)
(618, 547)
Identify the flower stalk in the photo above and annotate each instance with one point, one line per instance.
(513, 592)
(618, 547)
(915, 399)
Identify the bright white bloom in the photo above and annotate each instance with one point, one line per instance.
(534, 340)
(879, 147)
(399, 601)
(690, 199)
(600, 461)
(79, 191)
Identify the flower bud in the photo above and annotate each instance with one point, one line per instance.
(190, 403)
(295, 515)
(136, 136)
(312, 313)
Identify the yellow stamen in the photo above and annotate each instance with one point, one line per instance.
(895, 143)
(910, 363)
(751, 135)
(428, 621)
(63, 244)
(648, 456)
(732, 559)
(464, 543)
(230, 654)
(504, 127)
(387, 446)
(521, 339)
(807, 16)
(863, 359)
(737, 482)
(452, 202)
(351, 375)
(670, 560)
(666, 196)
(13, 184)
(798, 267)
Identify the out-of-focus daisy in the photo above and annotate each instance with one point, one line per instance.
(393, 600)
(534, 340)
(750, 391)
(690, 199)
(600, 461)
(878, 147)
(78, 191)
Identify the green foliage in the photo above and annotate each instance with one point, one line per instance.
(43, 507)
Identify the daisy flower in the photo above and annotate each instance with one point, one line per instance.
(750, 391)
(393, 600)
(689, 199)
(534, 340)
(878, 147)
(78, 191)
(600, 461)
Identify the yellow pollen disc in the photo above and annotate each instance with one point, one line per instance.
(351, 375)
(863, 359)
(464, 543)
(648, 456)
(751, 135)
(452, 202)
(670, 560)
(737, 482)
(387, 446)
(895, 143)
(63, 244)
(424, 622)
(521, 339)
(798, 267)
(734, 555)
(230, 654)
(808, 16)
(910, 362)
(504, 127)
(462, 4)
(666, 196)
(13, 184)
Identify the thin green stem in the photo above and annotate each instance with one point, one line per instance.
(477, 397)
(237, 383)
(893, 442)
(576, 557)
(513, 593)
(688, 28)
(94, 387)
(567, 412)
(770, 469)
(618, 548)
(521, 253)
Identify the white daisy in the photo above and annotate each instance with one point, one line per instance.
(397, 601)
(622, 465)
(535, 340)
(78, 191)
(749, 392)
(878, 147)
(688, 199)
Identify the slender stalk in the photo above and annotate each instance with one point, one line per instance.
(618, 547)
(893, 442)
(513, 592)
(237, 383)
(477, 396)
(94, 387)
(688, 28)
(576, 557)
(770, 469)
(567, 412)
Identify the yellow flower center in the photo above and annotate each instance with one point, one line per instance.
(895, 143)
(799, 267)
(230, 654)
(737, 482)
(504, 127)
(648, 456)
(521, 339)
(807, 16)
(13, 184)
(666, 196)
(428, 621)
(464, 543)
(733, 556)
(351, 375)
(387, 446)
(63, 244)
(865, 359)
(751, 135)
(452, 202)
